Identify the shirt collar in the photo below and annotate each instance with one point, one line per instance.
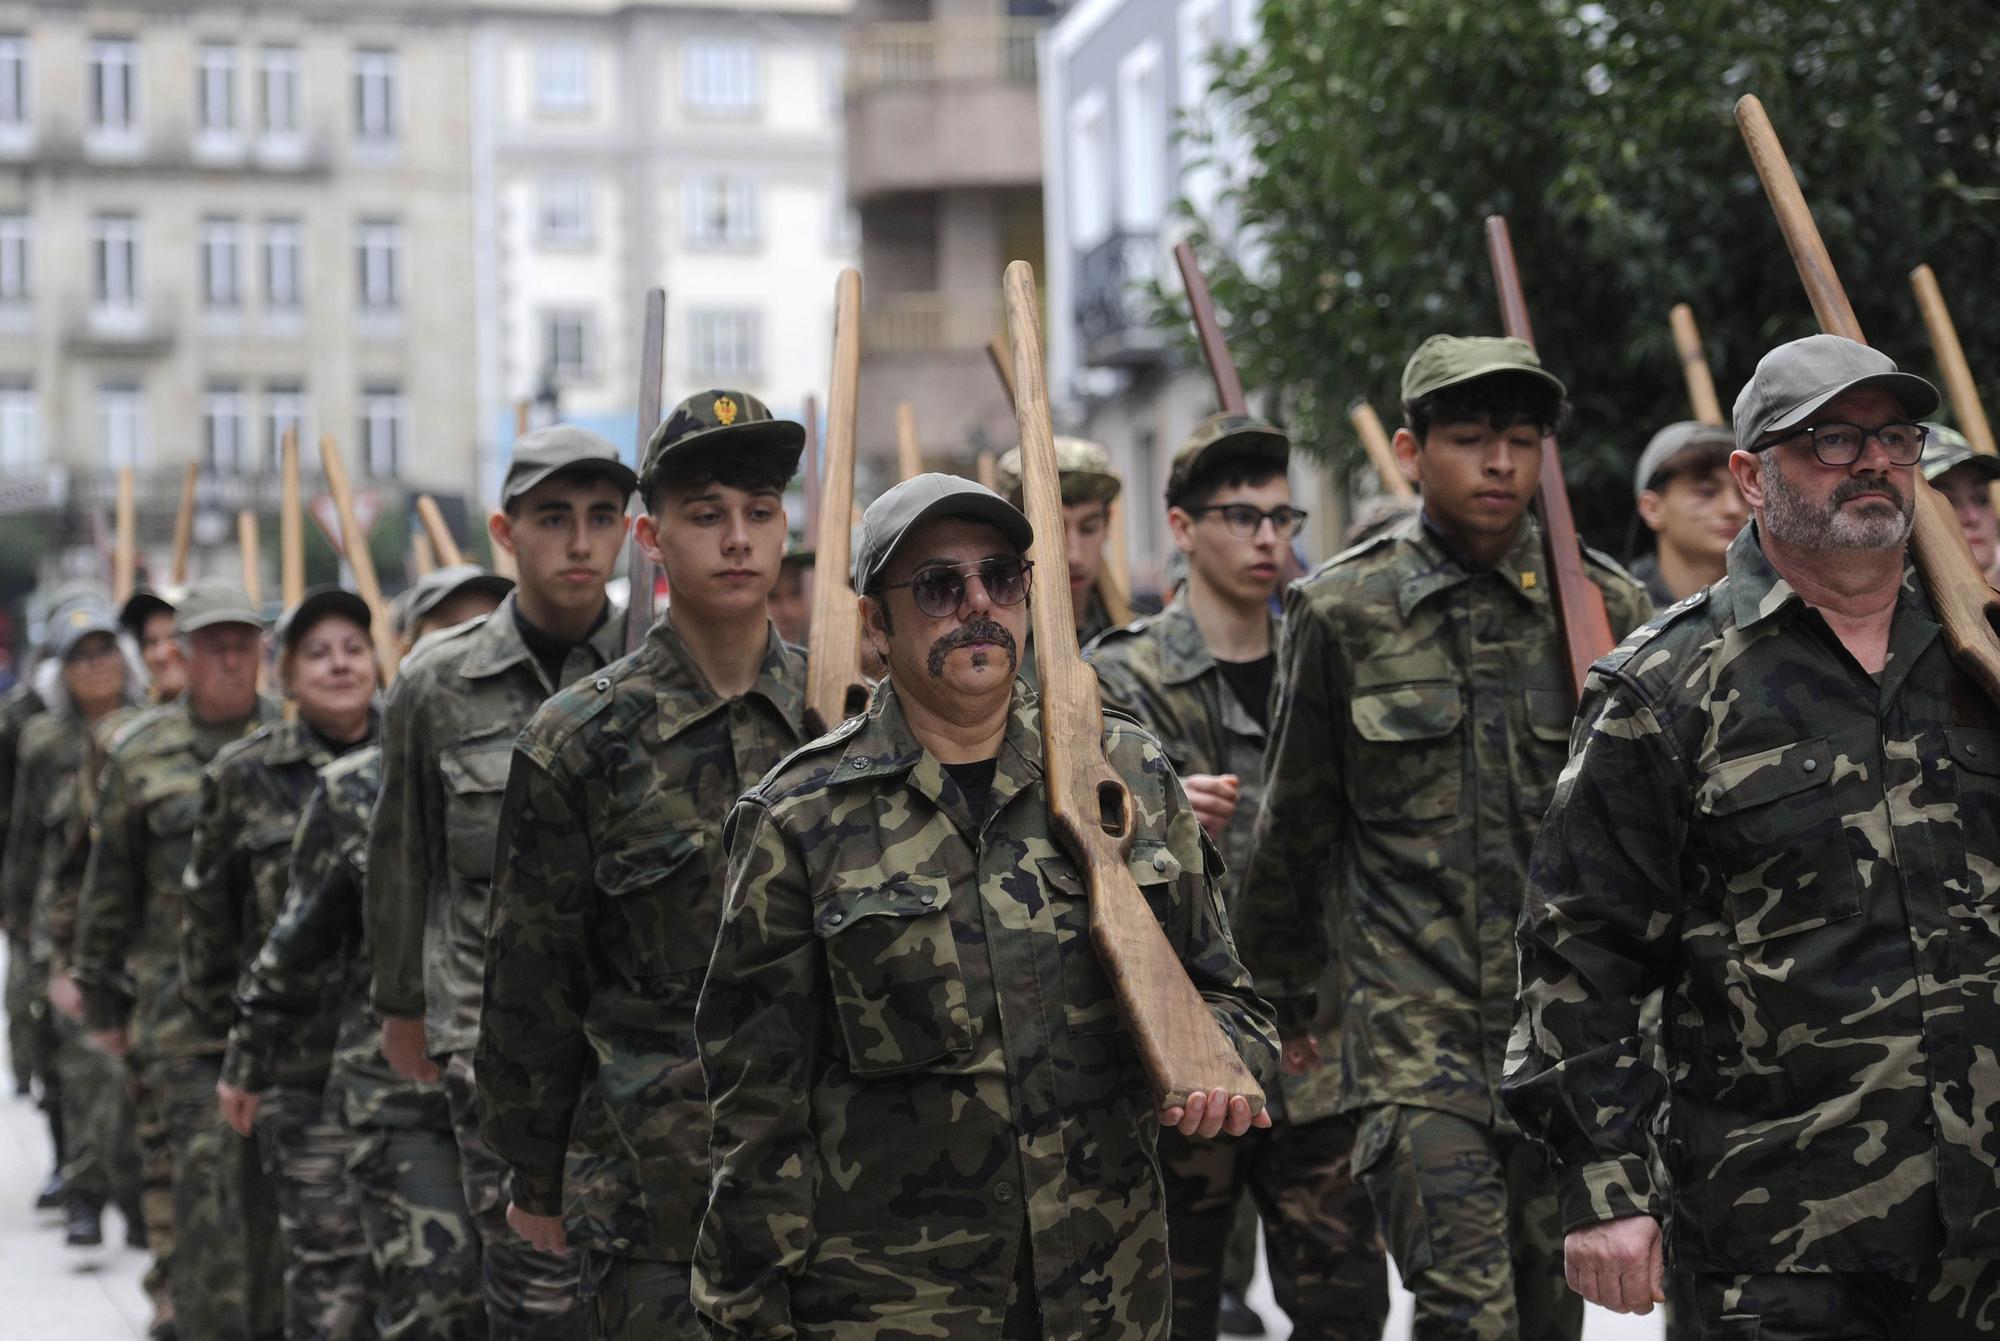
(683, 694)
(1523, 569)
(496, 645)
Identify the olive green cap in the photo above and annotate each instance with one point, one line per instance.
(79, 620)
(1226, 437)
(1084, 468)
(1795, 379)
(562, 447)
(733, 421)
(1447, 360)
(142, 606)
(1947, 449)
(441, 584)
(213, 602)
(1670, 442)
(316, 605)
(923, 498)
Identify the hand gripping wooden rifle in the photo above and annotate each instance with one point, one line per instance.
(1182, 1048)
(639, 568)
(834, 687)
(1694, 366)
(1965, 604)
(1579, 602)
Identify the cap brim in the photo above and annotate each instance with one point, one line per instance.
(992, 509)
(320, 604)
(1495, 370)
(617, 472)
(773, 435)
(139, 608)
(490, 583)
(1917, 397)
(210, 619)
(1981, 463)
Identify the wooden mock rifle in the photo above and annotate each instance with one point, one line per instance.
(125, 547)
(811, 471)
(291, 524)
(184, 526)
(1381, 455)
(834, 687)
(1580, 614)
(1694, 366)
(1182, 1048)
(444, 546)
(1965, 604)
(359, 560)
(253, 559)
(909, 452)
(1960, 390)
(639, 568)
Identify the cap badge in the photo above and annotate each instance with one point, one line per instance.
(725, 411)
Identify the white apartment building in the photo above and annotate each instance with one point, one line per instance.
(218, 221)
(620, 146)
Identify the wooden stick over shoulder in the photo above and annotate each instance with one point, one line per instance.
(1381, 455)
(1090, 808)
(248, 546)
(1214, 348)
(810, 464)
(1958, 384)
(834, 687)
(639, 568)
(444, 546)
(360, 561)
(291, 524)
(1702, 399)
(909, 452)
(125, 553)
(184, 524)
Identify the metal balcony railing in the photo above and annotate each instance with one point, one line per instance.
(1110, 310)
(886, 55)
(926, 323)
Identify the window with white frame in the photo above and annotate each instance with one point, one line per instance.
(114, 247)
(222, 262)
(284, 412)
(1199, 33)
(16, 258)
(725, 344)
(121, 424)
(216, 90)
(382, 430)
(375, 73)
(114, 83)
(13, 81)
(568, 343)
(225, 448)
(284, 265)
(721, 211)
(379, 254)
(719, 78)
(1090, 169)
(278, 91)
(20, 427)
(1142, 139)
(563, 211)
(562, 78)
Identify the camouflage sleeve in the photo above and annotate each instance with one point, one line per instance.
(286, 984)
(1596, 940)
(10, 741)
(1279, 913)
(533, 1056)
(400, 849)
(758, 1025)
(60, 883)
(111, 905)
(214, 893)
(21, 862)
(1628, 605)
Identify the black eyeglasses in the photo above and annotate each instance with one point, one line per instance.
(940, 591)
(1243, 520)
(1838, 444)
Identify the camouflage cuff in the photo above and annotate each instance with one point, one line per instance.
(537, 1196)
(104, 1010)
(245, 1070)
(1610, 1189)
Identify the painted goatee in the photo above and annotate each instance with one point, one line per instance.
(978, 631)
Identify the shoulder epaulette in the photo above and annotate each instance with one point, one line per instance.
(1118, 632)
(837, 736)
(1609, 564)
(1615, 661)
(557, 721)
(1353, 552)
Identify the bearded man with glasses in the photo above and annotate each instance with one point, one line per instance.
(928, 1116)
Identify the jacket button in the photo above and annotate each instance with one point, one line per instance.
(857, 763)
(603, 684)
(1811, 765)
(1159, 861)
(834, 920)
(1003, 1193)
(930, 897)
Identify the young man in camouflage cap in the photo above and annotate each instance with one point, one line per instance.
(1689, 501)
(1198, 675)
(1088, 491)
(453, 713)
(128, 953)
(791, 598)
(608, 882)
(1781, 813)
(1966, 479)
(1420, 718)
(928, 1118)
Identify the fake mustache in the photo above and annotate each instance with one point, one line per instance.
(980, 630)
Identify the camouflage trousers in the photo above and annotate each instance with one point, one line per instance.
(1326, 1264)
(20, 1004)
(228, 1263)
(100, 1145)
(1471, 1218)
(156, 1181)
(530, 1296)
(633, 1299)
(420, 1234)
(330, 1288)
(1946, 1300)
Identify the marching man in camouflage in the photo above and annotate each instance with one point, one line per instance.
(1420, 720)
(1198, 676)
(928, 1118)
(1689, 501)
(608, 884)
(1089, 488)
(453, 713)
(1781, 811)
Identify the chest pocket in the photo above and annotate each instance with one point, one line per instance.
(1550, 713)
(173, 815)
(1776, 831)
(475, 773)
(1975, 752)
(892, 965)
(268, 848)
(1090, 1003)
(1407, 763)
(663, 906)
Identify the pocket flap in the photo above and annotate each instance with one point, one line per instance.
(1408, 712)
(1770, 775)
(646, 861)
(1152, 862)
(904, 896)
(477, 767)
(1973, 748)
(1551, 712)
(173, 816)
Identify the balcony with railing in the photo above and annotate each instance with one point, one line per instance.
(942, 104)
(926, 323)
(1113, 318)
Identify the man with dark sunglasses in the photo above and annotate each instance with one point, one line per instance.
(1781, 811)
(1198, 675)
(928, 1117)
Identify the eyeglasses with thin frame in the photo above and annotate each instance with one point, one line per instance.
(940, 591)
(1243, 519)
(1839, 444)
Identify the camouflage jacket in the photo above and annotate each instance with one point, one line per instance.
(51, 753)
(236, 881)
(1422, 712)
(128, 932)
(1802, 857)
(21, 705)
(1158, 671)
(606, 899)
(318, 952)
(457, 703)
(914, 1057)
(65, 844)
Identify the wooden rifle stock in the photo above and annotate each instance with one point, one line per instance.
(1580, 614)
(125, 546)
(1090, 808)
(291, 524)
(444, 548)
(1965, 604)
(1694, 366)
(834, 687)
(639, 568)
(1228, 384)
(1375, 441)
(184, 525)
